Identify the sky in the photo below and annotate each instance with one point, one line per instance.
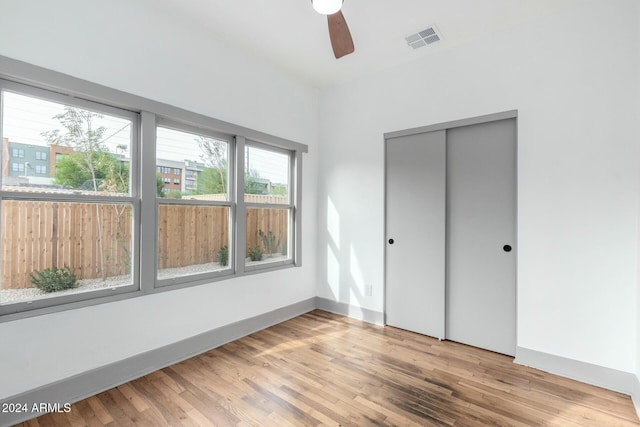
(25, 119)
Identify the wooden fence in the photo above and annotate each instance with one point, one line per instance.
(190, 235)
(274, 220)
(89, 238)
(96, 238)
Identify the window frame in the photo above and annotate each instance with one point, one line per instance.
(133, 199)
(290, 206)
(85, 94)
(179, 281)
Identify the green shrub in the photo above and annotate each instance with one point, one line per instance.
(54, 279)
(255, 254)
(269, 242)
(223, 256)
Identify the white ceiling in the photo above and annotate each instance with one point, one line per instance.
(294, 38)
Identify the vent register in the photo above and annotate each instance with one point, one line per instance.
(424, 37)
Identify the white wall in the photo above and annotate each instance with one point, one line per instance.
(131, 46)
(573, 77)
(636, 396)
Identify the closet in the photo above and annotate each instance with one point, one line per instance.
(450, 225)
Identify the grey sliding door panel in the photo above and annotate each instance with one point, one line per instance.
(481, 233)
(415, 224)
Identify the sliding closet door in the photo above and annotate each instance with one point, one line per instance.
(415, 233)
(481, 232)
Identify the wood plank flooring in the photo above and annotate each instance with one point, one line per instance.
(325, 369)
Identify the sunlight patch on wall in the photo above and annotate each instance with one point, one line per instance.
(333, 223)
(333, 272)
(357, 290)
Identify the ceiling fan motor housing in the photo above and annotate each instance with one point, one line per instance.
(327, 7)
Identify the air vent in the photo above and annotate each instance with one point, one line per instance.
(424, 37)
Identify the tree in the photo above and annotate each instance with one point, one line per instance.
(279, 189)
(212, 181)
(90, 159)
(253, 183)
(80, 135)
(159, 186)
(214, 156)
(110, 173)
(70, 171)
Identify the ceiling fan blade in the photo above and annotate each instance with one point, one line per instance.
(340, 36)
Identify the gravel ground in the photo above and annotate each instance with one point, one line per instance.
(29, 294)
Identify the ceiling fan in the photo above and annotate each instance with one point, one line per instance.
(339, 33)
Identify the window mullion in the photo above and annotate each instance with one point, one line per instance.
(241, 210)
(148, 208)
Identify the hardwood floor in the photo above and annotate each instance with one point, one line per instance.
(324, 369)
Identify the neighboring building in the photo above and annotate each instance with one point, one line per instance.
(179, 175)
(192, 171)
(56, 152)
(26, 161)
(171, 173)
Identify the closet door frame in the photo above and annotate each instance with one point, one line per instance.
(510, 114)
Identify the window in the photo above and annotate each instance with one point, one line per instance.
(194, 231)
(83, 226)
(268, 202)
(83, 216)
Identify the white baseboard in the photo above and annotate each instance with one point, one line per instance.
(608, 378)
(352, 311)
(86, 384)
